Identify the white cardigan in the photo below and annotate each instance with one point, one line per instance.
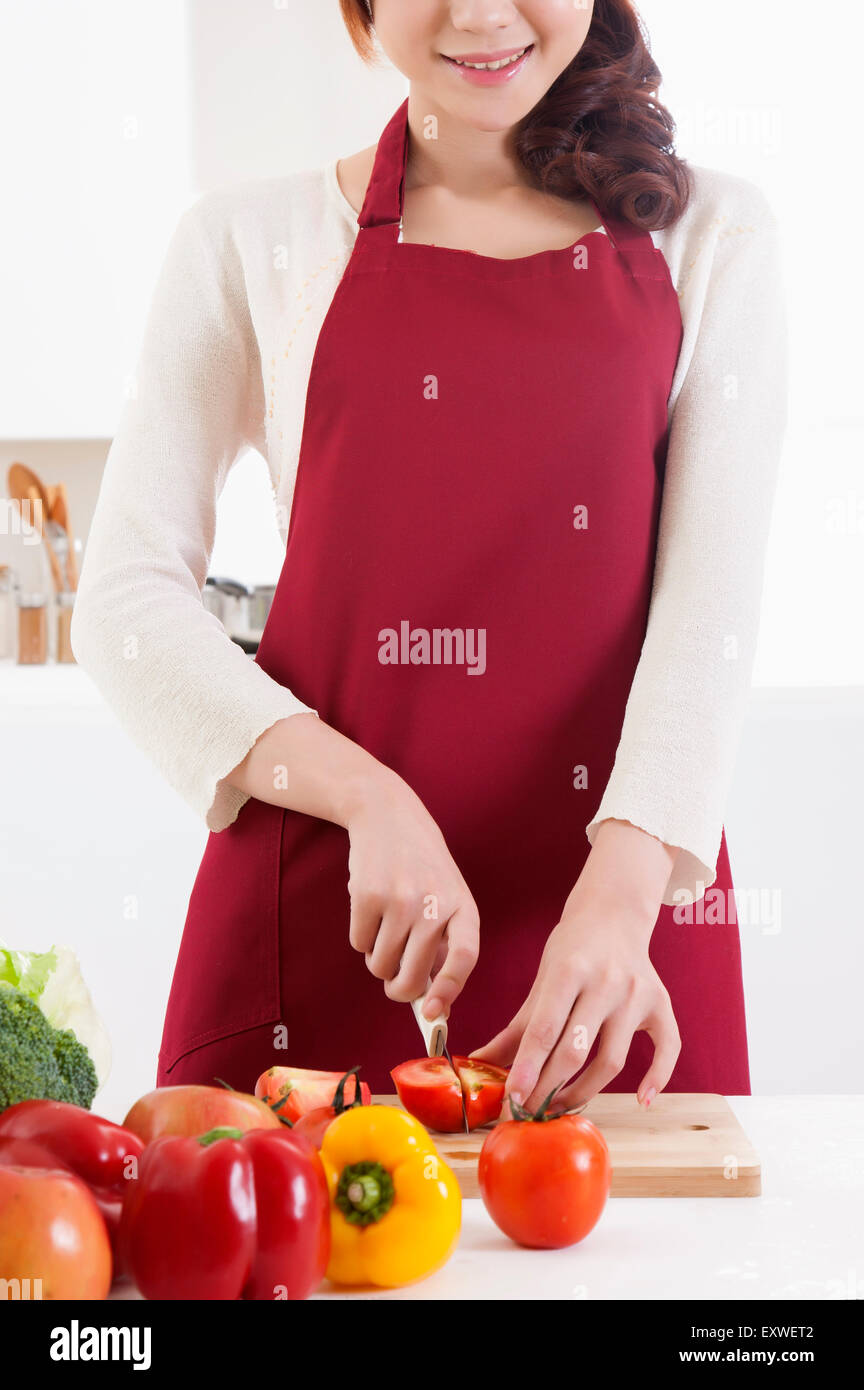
(246, 282)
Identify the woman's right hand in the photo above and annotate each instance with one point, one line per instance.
(412, 914)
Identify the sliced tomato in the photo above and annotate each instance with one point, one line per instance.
(432, 1091)
(429, 1090)
(294, 1091)
(483, 1089)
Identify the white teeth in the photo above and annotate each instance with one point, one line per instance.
(492, 67)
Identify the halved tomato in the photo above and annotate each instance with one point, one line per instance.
(432, 1091)
(293, 1091)
(483, 1089)
(429, 1090)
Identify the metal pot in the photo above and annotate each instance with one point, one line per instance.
(259, 607)
(228, 600)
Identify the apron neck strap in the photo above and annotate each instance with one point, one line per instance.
(382, 205)
(622, 234)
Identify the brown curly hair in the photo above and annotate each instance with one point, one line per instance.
(599, 132)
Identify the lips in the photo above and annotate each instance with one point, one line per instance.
(489, 69)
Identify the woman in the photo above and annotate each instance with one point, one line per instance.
(518, 375)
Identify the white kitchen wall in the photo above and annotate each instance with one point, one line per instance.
(113, 116)
(770, 92)
(273, 88)
(94, 153)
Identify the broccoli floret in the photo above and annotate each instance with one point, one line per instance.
(75, 1066)
(38, 1062)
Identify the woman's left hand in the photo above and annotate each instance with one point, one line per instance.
(595, 979)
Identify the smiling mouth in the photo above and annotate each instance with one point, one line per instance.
(491, 64)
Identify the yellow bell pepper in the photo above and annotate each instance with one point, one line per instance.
(396, 1208)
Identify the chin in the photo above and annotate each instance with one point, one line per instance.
(495, 118)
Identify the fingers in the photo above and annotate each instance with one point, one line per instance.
(463, 947)
(550, 1012)
(406, 951)
(364, 922)
(386, 954)
(662, 1029)
(571, 1051)
(411, 974)
(615, 1036)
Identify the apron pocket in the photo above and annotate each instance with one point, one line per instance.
(236, 1058)
(226, 980)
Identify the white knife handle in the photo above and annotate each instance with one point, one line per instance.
(434, 1030)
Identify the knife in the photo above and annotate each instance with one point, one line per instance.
(434, 1032)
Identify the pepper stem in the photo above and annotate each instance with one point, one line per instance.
(220, 1132)
(364, 1193)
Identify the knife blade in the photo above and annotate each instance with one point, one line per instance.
(461, 1092)
(434, 1033)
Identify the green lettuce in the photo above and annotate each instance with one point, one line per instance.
(53, 980)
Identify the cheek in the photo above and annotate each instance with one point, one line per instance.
(408, 33)
(561, 26)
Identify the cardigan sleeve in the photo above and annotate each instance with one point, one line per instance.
(185, 693)
(676, 754)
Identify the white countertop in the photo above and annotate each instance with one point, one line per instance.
(802, 1239)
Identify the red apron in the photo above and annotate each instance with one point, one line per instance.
(460, 410)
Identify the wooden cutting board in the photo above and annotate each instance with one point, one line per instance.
(686, 1145)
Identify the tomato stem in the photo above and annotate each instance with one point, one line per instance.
(283, 1119)
(519, 1112)
(339, 1104)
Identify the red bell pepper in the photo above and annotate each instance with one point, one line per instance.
(54, 1134)
(228, 1215)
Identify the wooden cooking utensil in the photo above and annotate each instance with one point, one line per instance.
(27, 486)
(21, 480)
(59, 512)
(38, 513)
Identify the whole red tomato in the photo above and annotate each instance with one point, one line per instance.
(315, 1123)
(544, 1181)
(52, 1232)
(194, 1110)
